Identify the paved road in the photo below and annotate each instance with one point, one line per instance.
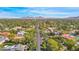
(38, 37)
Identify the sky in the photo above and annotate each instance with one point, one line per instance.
(56, 12)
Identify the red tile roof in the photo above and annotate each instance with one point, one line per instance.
(4, 33)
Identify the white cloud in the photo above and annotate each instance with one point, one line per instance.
(47, 12)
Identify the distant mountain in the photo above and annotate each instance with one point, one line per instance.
(76, 17)
(29, 17)
(41, 17)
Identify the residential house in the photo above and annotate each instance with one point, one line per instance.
(20, 33)
(3, 39)
(5, 33)
(17, 28)
(68, 36)
(17, 47)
